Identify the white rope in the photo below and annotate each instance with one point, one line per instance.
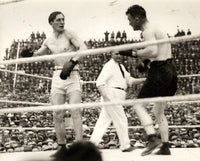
(4, 2)
(26, 128)
(192, 75)
(87, 82)
(101, 50)
(37, 76)
(142, 79)
(171, 126)
(23, 102)
(185, 102)
(91, 127)
(29, 75)
(46, 104)
(99, 104)
(81, 81)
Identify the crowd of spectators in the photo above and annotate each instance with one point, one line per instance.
(182, 32)
(30, 89)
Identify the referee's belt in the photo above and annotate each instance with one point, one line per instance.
(119, 88)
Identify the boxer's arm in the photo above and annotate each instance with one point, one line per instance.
(76, 42)
(137, 80)
(131, 80)
(41, 51)
(69, 65)
(150, 51)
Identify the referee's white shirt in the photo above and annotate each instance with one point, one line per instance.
(111, 76)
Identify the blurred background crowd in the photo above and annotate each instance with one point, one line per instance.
(19, 137)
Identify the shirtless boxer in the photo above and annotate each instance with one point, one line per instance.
(66, 79)
(161, 79)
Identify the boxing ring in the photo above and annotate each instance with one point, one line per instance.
(182, 154)
(178, 154)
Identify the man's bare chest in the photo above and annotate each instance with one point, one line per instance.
(59, 45)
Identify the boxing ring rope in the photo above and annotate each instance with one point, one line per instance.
(141, 79)
(46, 104)
(185, 102)
(99, 104)
(23, 102)
(101, 50)
(91, 127)
(25, 74)
(37, 76)
(84, 82)
(4, 2)
(186, 76)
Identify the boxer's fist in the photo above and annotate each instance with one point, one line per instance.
(126, 53)
(143, 66)
(28, 52)
(67, 68)
(130, 53)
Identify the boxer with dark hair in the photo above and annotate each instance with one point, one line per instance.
(161, 79)
(66, 78)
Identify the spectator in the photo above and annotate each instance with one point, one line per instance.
(106, 35)
(80, 151)
(189, 32)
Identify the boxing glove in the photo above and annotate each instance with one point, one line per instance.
(127, 53)
(143, 66)
(27, 52)
(67, 68)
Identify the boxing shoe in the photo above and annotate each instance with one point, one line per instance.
(164, 150)
(130, 149)
(153, 142)
(60, 152)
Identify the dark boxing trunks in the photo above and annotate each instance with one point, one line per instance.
(161, 80)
